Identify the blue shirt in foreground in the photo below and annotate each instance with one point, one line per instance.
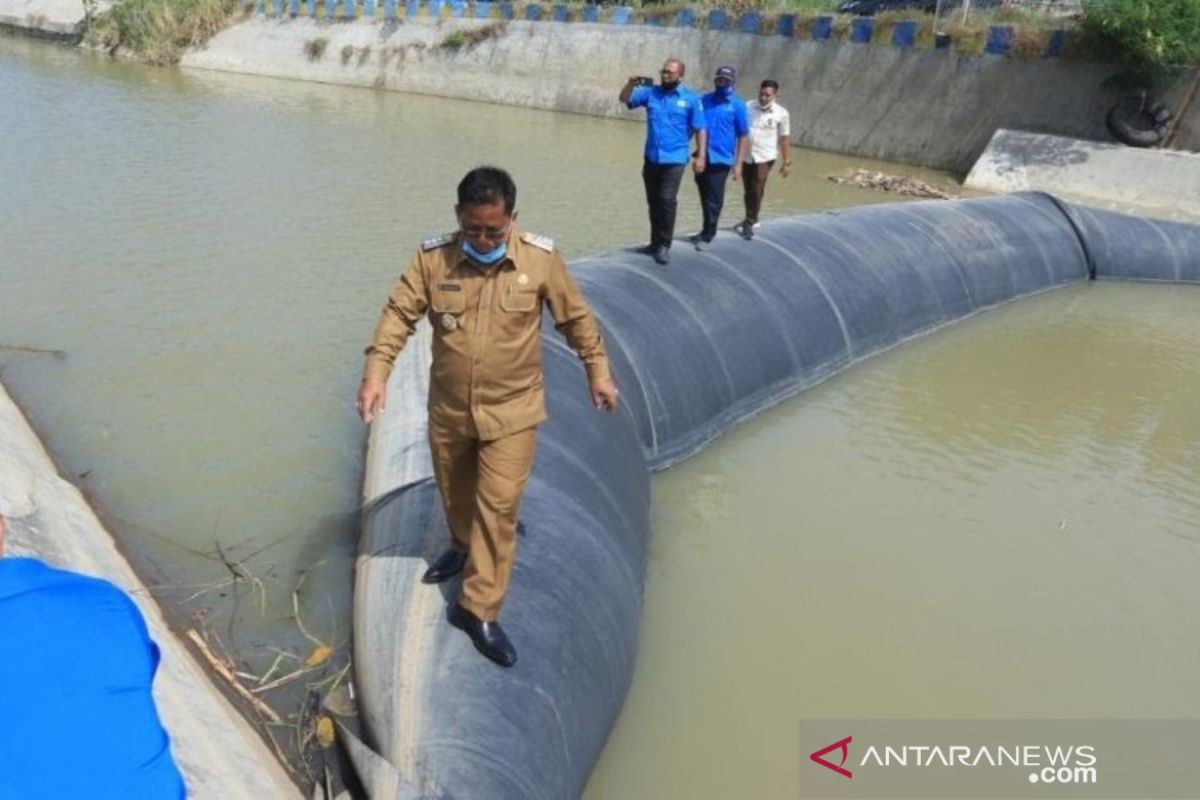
(671, 119)
(727, 122)
(76, 667)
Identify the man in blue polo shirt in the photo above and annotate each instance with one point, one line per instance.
(76, 666)
(728, 134)
(673, 116)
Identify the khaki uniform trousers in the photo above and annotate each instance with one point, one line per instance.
(481, 483)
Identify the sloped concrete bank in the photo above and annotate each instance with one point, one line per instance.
(219, 753)
(64, 20)
(927, 107)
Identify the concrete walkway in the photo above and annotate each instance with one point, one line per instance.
(55, 19)
(220, 755)
(1153, 183)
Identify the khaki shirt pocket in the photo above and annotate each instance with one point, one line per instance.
(447, 302)
(519, 300)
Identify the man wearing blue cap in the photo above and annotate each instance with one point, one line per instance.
(728, 132)
(673, 116)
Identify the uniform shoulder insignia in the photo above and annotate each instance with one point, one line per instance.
(433, 243)
(540, 242)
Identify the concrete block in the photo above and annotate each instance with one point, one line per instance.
(1155, 183)
(999, 40)
(1056, 44)
(822, 29)
(533, 12)
(717, 20)
(750, 22)
(786, 25)
(904, 34)
(621, 15)
(686, 18)
(861, 30)
(591, 13)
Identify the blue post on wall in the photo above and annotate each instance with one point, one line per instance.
(905, 33)
(591, 13)
(621, 15)
(312, 9)
(686, 18)
(483, 9)
(533, 12)
(294, 8)
(861, 29)
(330, 9)
(1056, 44)
(999, 39)
(751, 22)
(389, 10)
(279, 8)
(412, 9)
(369, 9)
(458, 7)
(350, 9)
(507, 10)
(561, 14)
(822, 29)
(259, 8)
(717, 20)
(786, 25)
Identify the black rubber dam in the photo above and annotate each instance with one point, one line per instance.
(697, 347)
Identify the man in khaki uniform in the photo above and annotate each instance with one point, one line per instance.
(483, 288)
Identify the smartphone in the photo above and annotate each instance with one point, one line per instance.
(644, 81)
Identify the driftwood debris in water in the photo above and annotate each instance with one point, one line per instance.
(882, 182)
(222, 669)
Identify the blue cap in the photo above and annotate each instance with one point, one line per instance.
(726, 72)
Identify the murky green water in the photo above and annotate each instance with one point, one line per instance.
(998, 521)
(210, 252)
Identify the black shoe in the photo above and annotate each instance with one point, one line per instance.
(488, 637)
(662, 254)
(448, 564)
(747, 231)
(648, 250)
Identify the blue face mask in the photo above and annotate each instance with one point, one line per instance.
(488, 259)
(724, 92)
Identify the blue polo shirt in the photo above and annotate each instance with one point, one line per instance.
(76, 666)
(727, 122)
(671, 119)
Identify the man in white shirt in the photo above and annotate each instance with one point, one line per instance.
(770, 135)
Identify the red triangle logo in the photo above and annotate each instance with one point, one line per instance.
(843, 745)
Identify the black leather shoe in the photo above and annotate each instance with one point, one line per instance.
(448, 564)
(662, 255)
(488, 637)
(648, 250)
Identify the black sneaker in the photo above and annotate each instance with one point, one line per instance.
(662, 254)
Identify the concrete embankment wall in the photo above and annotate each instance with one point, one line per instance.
(51, 19)
(219, 753)
(928, 107)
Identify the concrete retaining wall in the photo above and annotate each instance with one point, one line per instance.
(52, 19)
(928, 107)
(220, 755)
(1156, 183)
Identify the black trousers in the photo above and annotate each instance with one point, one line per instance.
(711, 183)
(662, 192)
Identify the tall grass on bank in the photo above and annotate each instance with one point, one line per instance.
(159, 31)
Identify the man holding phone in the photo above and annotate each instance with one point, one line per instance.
(674, 115)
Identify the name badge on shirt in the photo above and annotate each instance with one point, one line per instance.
(449, 287)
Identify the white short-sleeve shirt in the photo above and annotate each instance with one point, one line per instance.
(765, 129)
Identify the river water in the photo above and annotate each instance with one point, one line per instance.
(210, 253)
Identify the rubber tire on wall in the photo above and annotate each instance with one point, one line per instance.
(1121, 117)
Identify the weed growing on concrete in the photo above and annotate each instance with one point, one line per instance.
(363, 54)
(470, 38)
(454, 40)
(347, 54)
(315, 48)
(159, 31)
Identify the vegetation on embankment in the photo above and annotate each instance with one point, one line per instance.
(159, 31)
(1147, 37)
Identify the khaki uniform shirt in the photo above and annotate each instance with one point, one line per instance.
(486, 378)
